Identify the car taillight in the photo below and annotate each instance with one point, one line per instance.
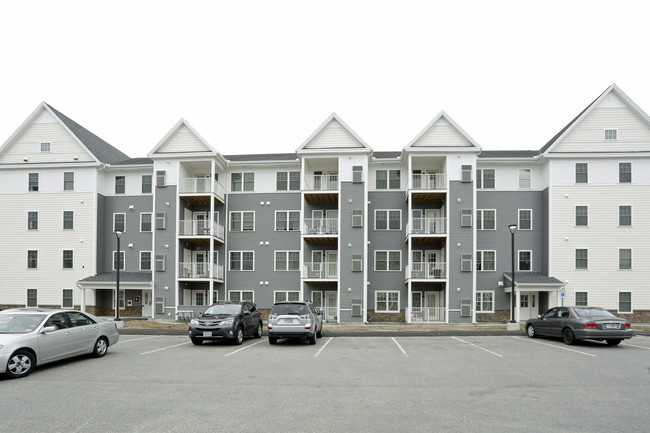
(269, 326)
(116, 325)
(591, 325)
(628, 325)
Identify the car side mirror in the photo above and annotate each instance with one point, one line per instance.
(199, 315)
(47, 329)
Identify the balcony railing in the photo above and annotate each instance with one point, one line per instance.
(329, 314)
(428, 314)
(427, 226)
(436, 181)
(322, 182)
(200, 270)
(201, 185)
(427, 270)
(321, 226)
(320, 269)
(200, 228)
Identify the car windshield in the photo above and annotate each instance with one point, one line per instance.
(19, 323)
(222, 309)
(592, 312)
(296, 309)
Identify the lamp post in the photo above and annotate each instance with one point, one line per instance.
(513, 229)
(118, 234)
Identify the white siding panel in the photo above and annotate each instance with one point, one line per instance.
(63, 145)
(442, 134)
(182, 141)
(603, 237)
(589, 135)
(334, 135)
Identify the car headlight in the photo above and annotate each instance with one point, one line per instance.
(227, 322)
(194, 322)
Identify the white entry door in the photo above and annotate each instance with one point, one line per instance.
(330, 306)
(146, 304)
(527, 305)
(331, 263)
(432, 310)
(200, 268)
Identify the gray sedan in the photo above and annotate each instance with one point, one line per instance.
(580, 323)
(31, 336)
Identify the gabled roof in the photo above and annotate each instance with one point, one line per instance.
(333, 119)
(569, 127)
(508, 154)
(99, 149)
(180, 124)
(125, 277)
(262, 157)
(442, 115)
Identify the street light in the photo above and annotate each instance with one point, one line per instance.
(118, 234)
(513, 229)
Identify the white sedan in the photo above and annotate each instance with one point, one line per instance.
(31, 336)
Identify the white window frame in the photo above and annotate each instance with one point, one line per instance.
(610, 130)
(388, 261)
(31, 187)
(575, 215)
(63, 258)
(63, 291)
(49, 146)
(619, 172)
(36, 267)
(288, 188)
(142, 184)
(575, 297)
(241, 293)
(388, 220)
(115, 185)
(618, 302)
(286, 295)
(286, 260)
(151, 260)
(64, 181)
(27, 298)
(575, 172)
(243, 181)
(631, 215)
(241, 221)
(288, 225)
(119, 213)
(151, 222)
(481, 261)
(480, 220)
(34, 212)
(480, 178)
(388, 301)
(122, 260)
(575, 259)
(522, 171)
(631, 259)
(480, 301)
(519, 260)
(519, 211)
(63, 220)
(241, 261)
(388, 179)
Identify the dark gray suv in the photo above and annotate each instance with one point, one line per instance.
(295, 320)
(226, 320)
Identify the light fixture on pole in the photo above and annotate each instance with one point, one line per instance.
(513, 229)
(118, 234)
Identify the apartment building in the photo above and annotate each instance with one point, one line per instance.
(414, 235)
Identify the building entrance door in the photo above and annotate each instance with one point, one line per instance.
(527, 305)
(146, 304)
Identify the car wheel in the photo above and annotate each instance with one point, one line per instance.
(319, 334)
(568, 336)
(20, 364)
(258, 331)
(613, 342)
(312, 339)
(273, 340)
(530, 330)
(196, 341)
(101, 346)
(239, 336)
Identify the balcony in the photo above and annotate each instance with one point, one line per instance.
(428, 187)
(320, 229)
(197, 190)
(427, 226)
(428, 314)
(429, 271)
(200, 270)
(320, 270)
(200, 228)
(322, 188)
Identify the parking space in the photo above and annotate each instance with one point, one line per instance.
(462, 383)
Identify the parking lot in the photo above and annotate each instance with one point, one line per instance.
(341, 384)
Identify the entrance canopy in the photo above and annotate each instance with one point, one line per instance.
(108, 280)
(532, 282)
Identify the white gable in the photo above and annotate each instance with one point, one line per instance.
(43, 126)
(442, 131)
(334, 136)
(183, 141)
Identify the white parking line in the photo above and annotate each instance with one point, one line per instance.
(164, 348)
(634, 345)
(138, 339)
(324, 345)
(555, 346)
(244, 348)
(478, 347)
(400, 347)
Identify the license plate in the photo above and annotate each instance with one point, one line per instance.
(207, 333)
(611, 325)
(288, 321)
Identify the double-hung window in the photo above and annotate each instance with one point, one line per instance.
(33, 181)
(242, 221)
(242, 260)
(388, 260)
(68, 300)
(582, 258)
(283, 296)
(287, 260)
(582, 172)
(119, 222)
(240, 295)
(287, 220)
(625, 215)
(387, 301)
(582, 299)
(32, 220)
(486, 260)
(582, 215)
(525, 260)
(32, 259)
(387, 179)
(287, 181)
(32, 298)
(624, 302)
(624, 258)
(68, 181)
(390, 219)
(68, 259)
(242, 181)
(68, 220)
(145, 260)
(120, 184)
(624, 172)
(147, 183)
(484, 302)
(485, 178)
(121, 263)
(486, 219)
(525, 219)
(524, 178)
(146, 221)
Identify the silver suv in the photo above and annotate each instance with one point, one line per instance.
(295, 320)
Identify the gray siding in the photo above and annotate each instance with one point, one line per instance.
(353, 237)
(463, 236)
(164, 237)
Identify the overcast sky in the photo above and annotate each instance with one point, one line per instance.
(261, 76)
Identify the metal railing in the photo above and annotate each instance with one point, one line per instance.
(200, 270)
(427, 270)
(436, 181)
(322, 182)
(320, 226)
(428, 314)
(427, 226)
(320, 269)
(329, 314)
(200, 185)
(200, 228)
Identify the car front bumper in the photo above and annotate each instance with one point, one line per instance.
(212, 333)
